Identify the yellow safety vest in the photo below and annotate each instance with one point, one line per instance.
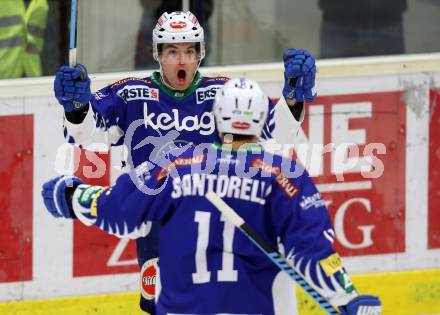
(21, 37)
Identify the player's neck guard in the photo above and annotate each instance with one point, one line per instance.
(178, 95)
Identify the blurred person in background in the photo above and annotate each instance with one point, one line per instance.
(56, 37)
(22, 27)
(361, 28)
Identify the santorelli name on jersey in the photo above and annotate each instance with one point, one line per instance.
(207, 93)
(138, 92)
(204, 124)
(225, 186)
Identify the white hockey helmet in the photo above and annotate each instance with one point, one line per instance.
(178, 27)
(240, 107)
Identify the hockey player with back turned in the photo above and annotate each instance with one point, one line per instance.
(206, 267)
(169, 108)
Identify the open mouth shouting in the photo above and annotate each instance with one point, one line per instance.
(181, 76)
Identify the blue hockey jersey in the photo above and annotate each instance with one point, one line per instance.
(151, 119)
(206, 266)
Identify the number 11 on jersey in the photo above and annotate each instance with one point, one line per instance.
(227, 273)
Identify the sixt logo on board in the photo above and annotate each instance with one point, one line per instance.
(207, 93)
(138, 92)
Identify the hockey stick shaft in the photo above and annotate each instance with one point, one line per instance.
(267, 249)
(73, 39)
(73, 27)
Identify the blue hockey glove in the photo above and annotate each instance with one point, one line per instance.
(54, 195)
(363, 304)
(299, 75)
(72, 87)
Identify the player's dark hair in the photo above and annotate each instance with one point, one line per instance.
(160, 48)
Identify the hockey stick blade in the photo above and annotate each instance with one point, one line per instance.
(267, 249)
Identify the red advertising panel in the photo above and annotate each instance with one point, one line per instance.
(361, 173)
(16, 178)
(95, 252)
(434, 172)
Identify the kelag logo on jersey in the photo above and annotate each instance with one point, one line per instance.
(207, 93)
(164, 121)
(138, 92)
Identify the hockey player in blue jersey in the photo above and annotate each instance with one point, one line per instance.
(206, 267)
(171, 108)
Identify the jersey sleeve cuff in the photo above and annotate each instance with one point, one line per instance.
(82, 202)
(88, 135)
